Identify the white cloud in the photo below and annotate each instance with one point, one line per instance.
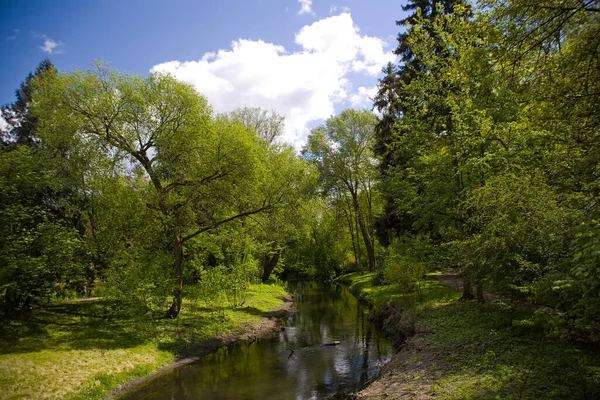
(50, 46)
(305, 7)
(363, 98)
(333, 9)
(304, 86)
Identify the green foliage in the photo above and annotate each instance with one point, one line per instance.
(469, 350)
(21, 121)
(323, 250)
(86, 349)
(41, 255)
(402, 268)
(582, 287)
(523, 233)
(342, 152)
(159, 170)
(487, 146)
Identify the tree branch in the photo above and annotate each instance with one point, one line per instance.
(223, 221)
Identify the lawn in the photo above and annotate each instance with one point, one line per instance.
(468, 350)
(83, 350)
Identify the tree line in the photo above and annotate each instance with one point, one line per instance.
(482, 158)
(488, 148)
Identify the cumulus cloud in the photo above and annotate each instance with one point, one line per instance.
(363, 98)
(305, 7)
(304, 86)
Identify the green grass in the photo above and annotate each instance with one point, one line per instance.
(429, 289)
(467, 350)
(84, 350)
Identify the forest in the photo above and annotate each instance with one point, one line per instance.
(480, 159)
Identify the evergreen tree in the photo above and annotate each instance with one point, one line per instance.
(22, 123)
(389, 101)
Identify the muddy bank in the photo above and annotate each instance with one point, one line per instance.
(407, 363)
(407, 375)
(268, 326)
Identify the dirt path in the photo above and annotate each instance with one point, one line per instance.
(456, 282)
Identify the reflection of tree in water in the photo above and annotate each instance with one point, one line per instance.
(264, 369)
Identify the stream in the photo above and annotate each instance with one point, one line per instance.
(299, 363)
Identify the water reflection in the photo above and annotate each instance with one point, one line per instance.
(296, 365)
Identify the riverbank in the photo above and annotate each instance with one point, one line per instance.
(84, 350)
(466, 350)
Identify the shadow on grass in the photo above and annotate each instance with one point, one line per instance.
(254, 311)
(469, 350)
(65, 326)
(491, 351)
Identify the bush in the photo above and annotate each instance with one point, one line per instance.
(403, 268)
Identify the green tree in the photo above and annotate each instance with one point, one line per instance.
(279, 227)
(202, 171)
(392, 99)
(342, 151)
(41, 254)
(22, 123)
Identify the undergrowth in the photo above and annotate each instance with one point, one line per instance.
(483, 351)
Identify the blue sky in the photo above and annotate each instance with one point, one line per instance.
(305, 59)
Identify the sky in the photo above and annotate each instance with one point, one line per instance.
(305, 59)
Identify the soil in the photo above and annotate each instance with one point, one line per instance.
(411, 372)
(268, 326)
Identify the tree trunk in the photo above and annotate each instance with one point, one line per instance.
(467, 289)
(351, 230)
(178, 268)
(269, 264)
(365, 234)
(479, 292)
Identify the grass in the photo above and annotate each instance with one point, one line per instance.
(467, 350)
(84, 350)
(430, 289)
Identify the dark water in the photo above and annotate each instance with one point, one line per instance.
(265, 369)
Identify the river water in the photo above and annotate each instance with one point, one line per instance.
(296, 364)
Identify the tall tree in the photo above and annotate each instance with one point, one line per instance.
(22, 123)
(342, 151)
(267, 124)
(203, 171)
(391, 98)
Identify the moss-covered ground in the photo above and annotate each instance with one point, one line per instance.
(84, 350)
(468, 350)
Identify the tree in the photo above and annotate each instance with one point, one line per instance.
(278, 227)
(342, 151)
(202, 171)
(392, 99)
(268, 125)
(41, 253)
(491, 156)
(22, 123)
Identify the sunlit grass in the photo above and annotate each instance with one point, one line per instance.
(483, 351)
(84, 350)
(429, 289)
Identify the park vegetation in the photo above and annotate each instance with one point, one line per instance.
(481, 156)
